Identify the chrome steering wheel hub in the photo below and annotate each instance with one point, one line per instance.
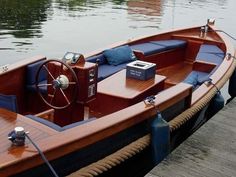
(61, 81)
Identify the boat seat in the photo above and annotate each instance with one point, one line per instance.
(112, 60)
(148, 48)
(154, 47)
(31, 77)
(195, 78)
(8, 102)
(55, 126)
(171, 44)
(99, 59)
(210, 53)
(105, 69)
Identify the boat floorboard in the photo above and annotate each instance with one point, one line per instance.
(174, 77)
(209, 152)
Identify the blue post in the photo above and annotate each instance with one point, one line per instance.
(160, 139)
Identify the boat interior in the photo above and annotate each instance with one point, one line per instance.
(65, 94)
(178, 57)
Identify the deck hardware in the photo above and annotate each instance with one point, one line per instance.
(208, 81)
(150, 100)
(17, 136)
(210, 21)
(229, 56)
(202, 29)
(4, 68)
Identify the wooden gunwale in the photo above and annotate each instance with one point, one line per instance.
(22, 63)
(159, 36)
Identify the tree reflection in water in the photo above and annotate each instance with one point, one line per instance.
(23, 18)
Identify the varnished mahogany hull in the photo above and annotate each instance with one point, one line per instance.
(111, 128)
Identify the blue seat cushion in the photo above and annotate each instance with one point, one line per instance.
(148, 48)
(57, 127)
(8, 102)
(215, 58)
(210, 53)
(119, 55)
(32, 71)
(195, 77)
(94, 59)
(192, 79)
(170, 44)
(45, 122)
(107, 70)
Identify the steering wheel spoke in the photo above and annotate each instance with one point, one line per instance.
(64, 95)
(72, 83)
(52, 96)
(50, 74)
(43, 85)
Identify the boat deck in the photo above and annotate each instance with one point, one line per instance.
(211, 151)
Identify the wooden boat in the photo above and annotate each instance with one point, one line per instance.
(80, 111)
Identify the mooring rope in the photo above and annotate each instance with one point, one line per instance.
(133, 148)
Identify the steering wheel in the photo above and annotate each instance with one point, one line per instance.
(62, 84)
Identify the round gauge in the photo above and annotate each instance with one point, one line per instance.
(69, 56)
(77, 56)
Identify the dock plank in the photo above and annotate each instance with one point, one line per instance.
(209, 152)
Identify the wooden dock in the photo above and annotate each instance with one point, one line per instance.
(209, 152)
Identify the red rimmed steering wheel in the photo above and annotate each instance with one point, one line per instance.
(62, 84)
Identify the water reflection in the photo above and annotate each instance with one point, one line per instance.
(52, 27)
(147, 11)
(23, 18)
(145, 7)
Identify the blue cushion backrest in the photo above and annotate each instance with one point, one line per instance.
(210, 53)
(170, 44)
(206, 48)
(32, 70)
(148, 48)
(45, 122)
(41, 89)
(100, 57)
(119, 55)
(78, 123)
(8, 102)
(107, 70)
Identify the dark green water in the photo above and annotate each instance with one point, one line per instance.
(52, 27)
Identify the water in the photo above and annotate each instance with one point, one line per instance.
(52, 27)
